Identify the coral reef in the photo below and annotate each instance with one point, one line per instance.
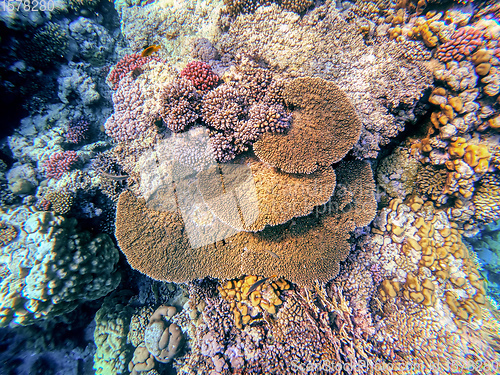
(52, 267)
(376, 78)
(397, 173)
(228, 147)
(48, 44)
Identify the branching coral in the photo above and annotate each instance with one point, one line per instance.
(179, 105)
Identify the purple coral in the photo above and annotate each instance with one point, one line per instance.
(59, 163)
(129, 119)
(180, 105)
(77, 131)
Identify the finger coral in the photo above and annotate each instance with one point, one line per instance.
(200, 74)
(324, 128)
(59, 163)
(179, 105)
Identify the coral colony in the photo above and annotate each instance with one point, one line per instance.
(247, 187)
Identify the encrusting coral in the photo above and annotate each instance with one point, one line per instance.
(324, 128)
(52, 266)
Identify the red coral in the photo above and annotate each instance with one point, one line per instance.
(463, 42)
(201, 75)
(59, 163)
(127, 64)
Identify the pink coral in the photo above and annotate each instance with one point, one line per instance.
(463, 42)
(77, 131)
(127, 64)
(59, 163)
(129, 119)
(201, 75)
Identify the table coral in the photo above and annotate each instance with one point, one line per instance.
(156, 244)
(52, 266)
(275, 193)
(324, 128)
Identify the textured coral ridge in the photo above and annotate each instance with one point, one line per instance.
(156, 244)
(49, 267)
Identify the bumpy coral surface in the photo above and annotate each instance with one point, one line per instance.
(52, 267)
(110, 335)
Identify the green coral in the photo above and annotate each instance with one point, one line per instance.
(52, 267)
(110, 335)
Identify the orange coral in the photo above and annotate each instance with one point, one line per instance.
(477, 156)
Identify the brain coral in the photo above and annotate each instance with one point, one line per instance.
(52, 267)
(302, 250)
(324, 128)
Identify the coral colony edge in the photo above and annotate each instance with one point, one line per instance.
(250, 187)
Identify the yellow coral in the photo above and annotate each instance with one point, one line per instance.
(474, 154)
(457, 148)
(247, 307)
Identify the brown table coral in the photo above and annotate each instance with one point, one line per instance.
(324, 128)
(302, 250)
